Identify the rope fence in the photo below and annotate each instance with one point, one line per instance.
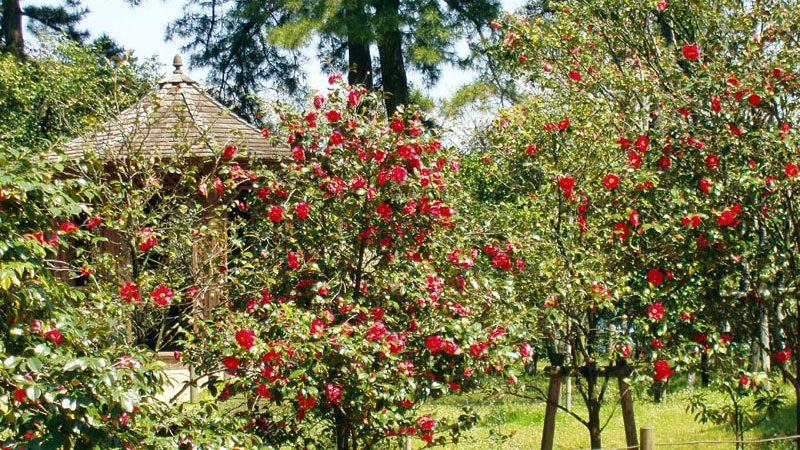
(647, 441)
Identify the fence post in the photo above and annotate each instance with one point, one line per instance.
(627, 412)
(553, 395)
(647, 438)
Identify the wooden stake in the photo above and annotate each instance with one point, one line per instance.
(553, 395)
(648, 438)
(626, 400)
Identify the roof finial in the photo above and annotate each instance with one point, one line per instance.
(178, 63)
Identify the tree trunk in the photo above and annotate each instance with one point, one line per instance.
(704, 378)
(342, 429)
(390, 49)
(359, 60)
(12, 28)
(594, 427)
(593, 405)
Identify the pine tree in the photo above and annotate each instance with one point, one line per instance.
(247, 43)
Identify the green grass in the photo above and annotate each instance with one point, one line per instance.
(510, 423)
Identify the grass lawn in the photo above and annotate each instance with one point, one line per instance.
(520, 421)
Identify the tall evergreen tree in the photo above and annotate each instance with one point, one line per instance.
(246, 43)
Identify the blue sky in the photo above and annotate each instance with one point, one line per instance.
(142, 30)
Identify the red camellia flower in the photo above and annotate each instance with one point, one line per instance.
(376, 332)
(690, 52)
(745, 381)
(306, 402)
(333, 392)
(712, 162)
(245, 338)
(162, 295)
(705, 185)
(566, 184)
(397, 126)
(783, 355)
(434, 343)
(20, 395)
(54, 335)
(791, 170)
(611, 181)
(655, 311)
(298, 154)
(634, 159)
(317, 327)
(292, 261)
(301, 210)
(576, 76)
(502, 261)
(230, 363)
(634, 218)
(405, 368)
(622, 230)
(333, 116)
(655, 276)
(754, 99)
(478, 350)
(93, 222)
(130, 292)
(229, 151)
(146, 239)
(354, 97)
(337, 138)
(384, 210)
(68, 227)
(662, 370)
(275, 213)
(642, 142)
(426, 422)
(657, 344)
(398, 174)
(319, 100)
(263, 391)
(664, 162)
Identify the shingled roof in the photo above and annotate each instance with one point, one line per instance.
(179, 119)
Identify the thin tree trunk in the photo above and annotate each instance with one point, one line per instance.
(390, 49)
(12, 28)
(704, 378)
(764, 341)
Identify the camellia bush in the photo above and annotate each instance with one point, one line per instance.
(349, 300)
(654, 167)
(71, 374)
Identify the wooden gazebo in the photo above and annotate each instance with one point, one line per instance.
(178, 120)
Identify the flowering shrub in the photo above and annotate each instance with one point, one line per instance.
(350, 301)
(66, 379)
(652, 165)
